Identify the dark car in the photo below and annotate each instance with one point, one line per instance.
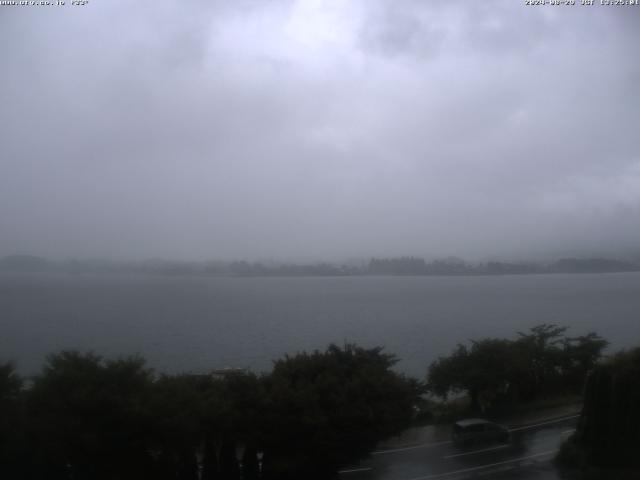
(478, 430)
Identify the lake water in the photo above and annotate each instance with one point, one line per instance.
(199, 323)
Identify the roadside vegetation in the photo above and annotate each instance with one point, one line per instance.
(84, 417)
(608, 433)
(500, 375)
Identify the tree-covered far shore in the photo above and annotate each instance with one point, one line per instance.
(394, 266)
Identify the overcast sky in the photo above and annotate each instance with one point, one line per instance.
(319, 129)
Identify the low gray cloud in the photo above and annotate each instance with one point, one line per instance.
(308, 129)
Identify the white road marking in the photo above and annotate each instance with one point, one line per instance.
(557, 420)
(477, 451)
(481, 467)
(354, 470)
(412, 447)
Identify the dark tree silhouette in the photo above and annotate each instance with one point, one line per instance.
(88, 419)
(329, 408)
(608, 433)
(13, 441)
(500, 371)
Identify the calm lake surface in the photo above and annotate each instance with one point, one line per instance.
(199, 323)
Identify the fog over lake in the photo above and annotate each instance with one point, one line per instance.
(199, 323)
(307, 130)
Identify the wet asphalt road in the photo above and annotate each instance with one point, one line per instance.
(528, 455)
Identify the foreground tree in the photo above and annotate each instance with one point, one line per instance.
(608, 433)
(88, 418)
(12, 434)
(484, 371)
(493, 371)
(580, 356)
(327, 409)
(541, 351)
(200, 422)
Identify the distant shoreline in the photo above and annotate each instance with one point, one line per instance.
(397, 266)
